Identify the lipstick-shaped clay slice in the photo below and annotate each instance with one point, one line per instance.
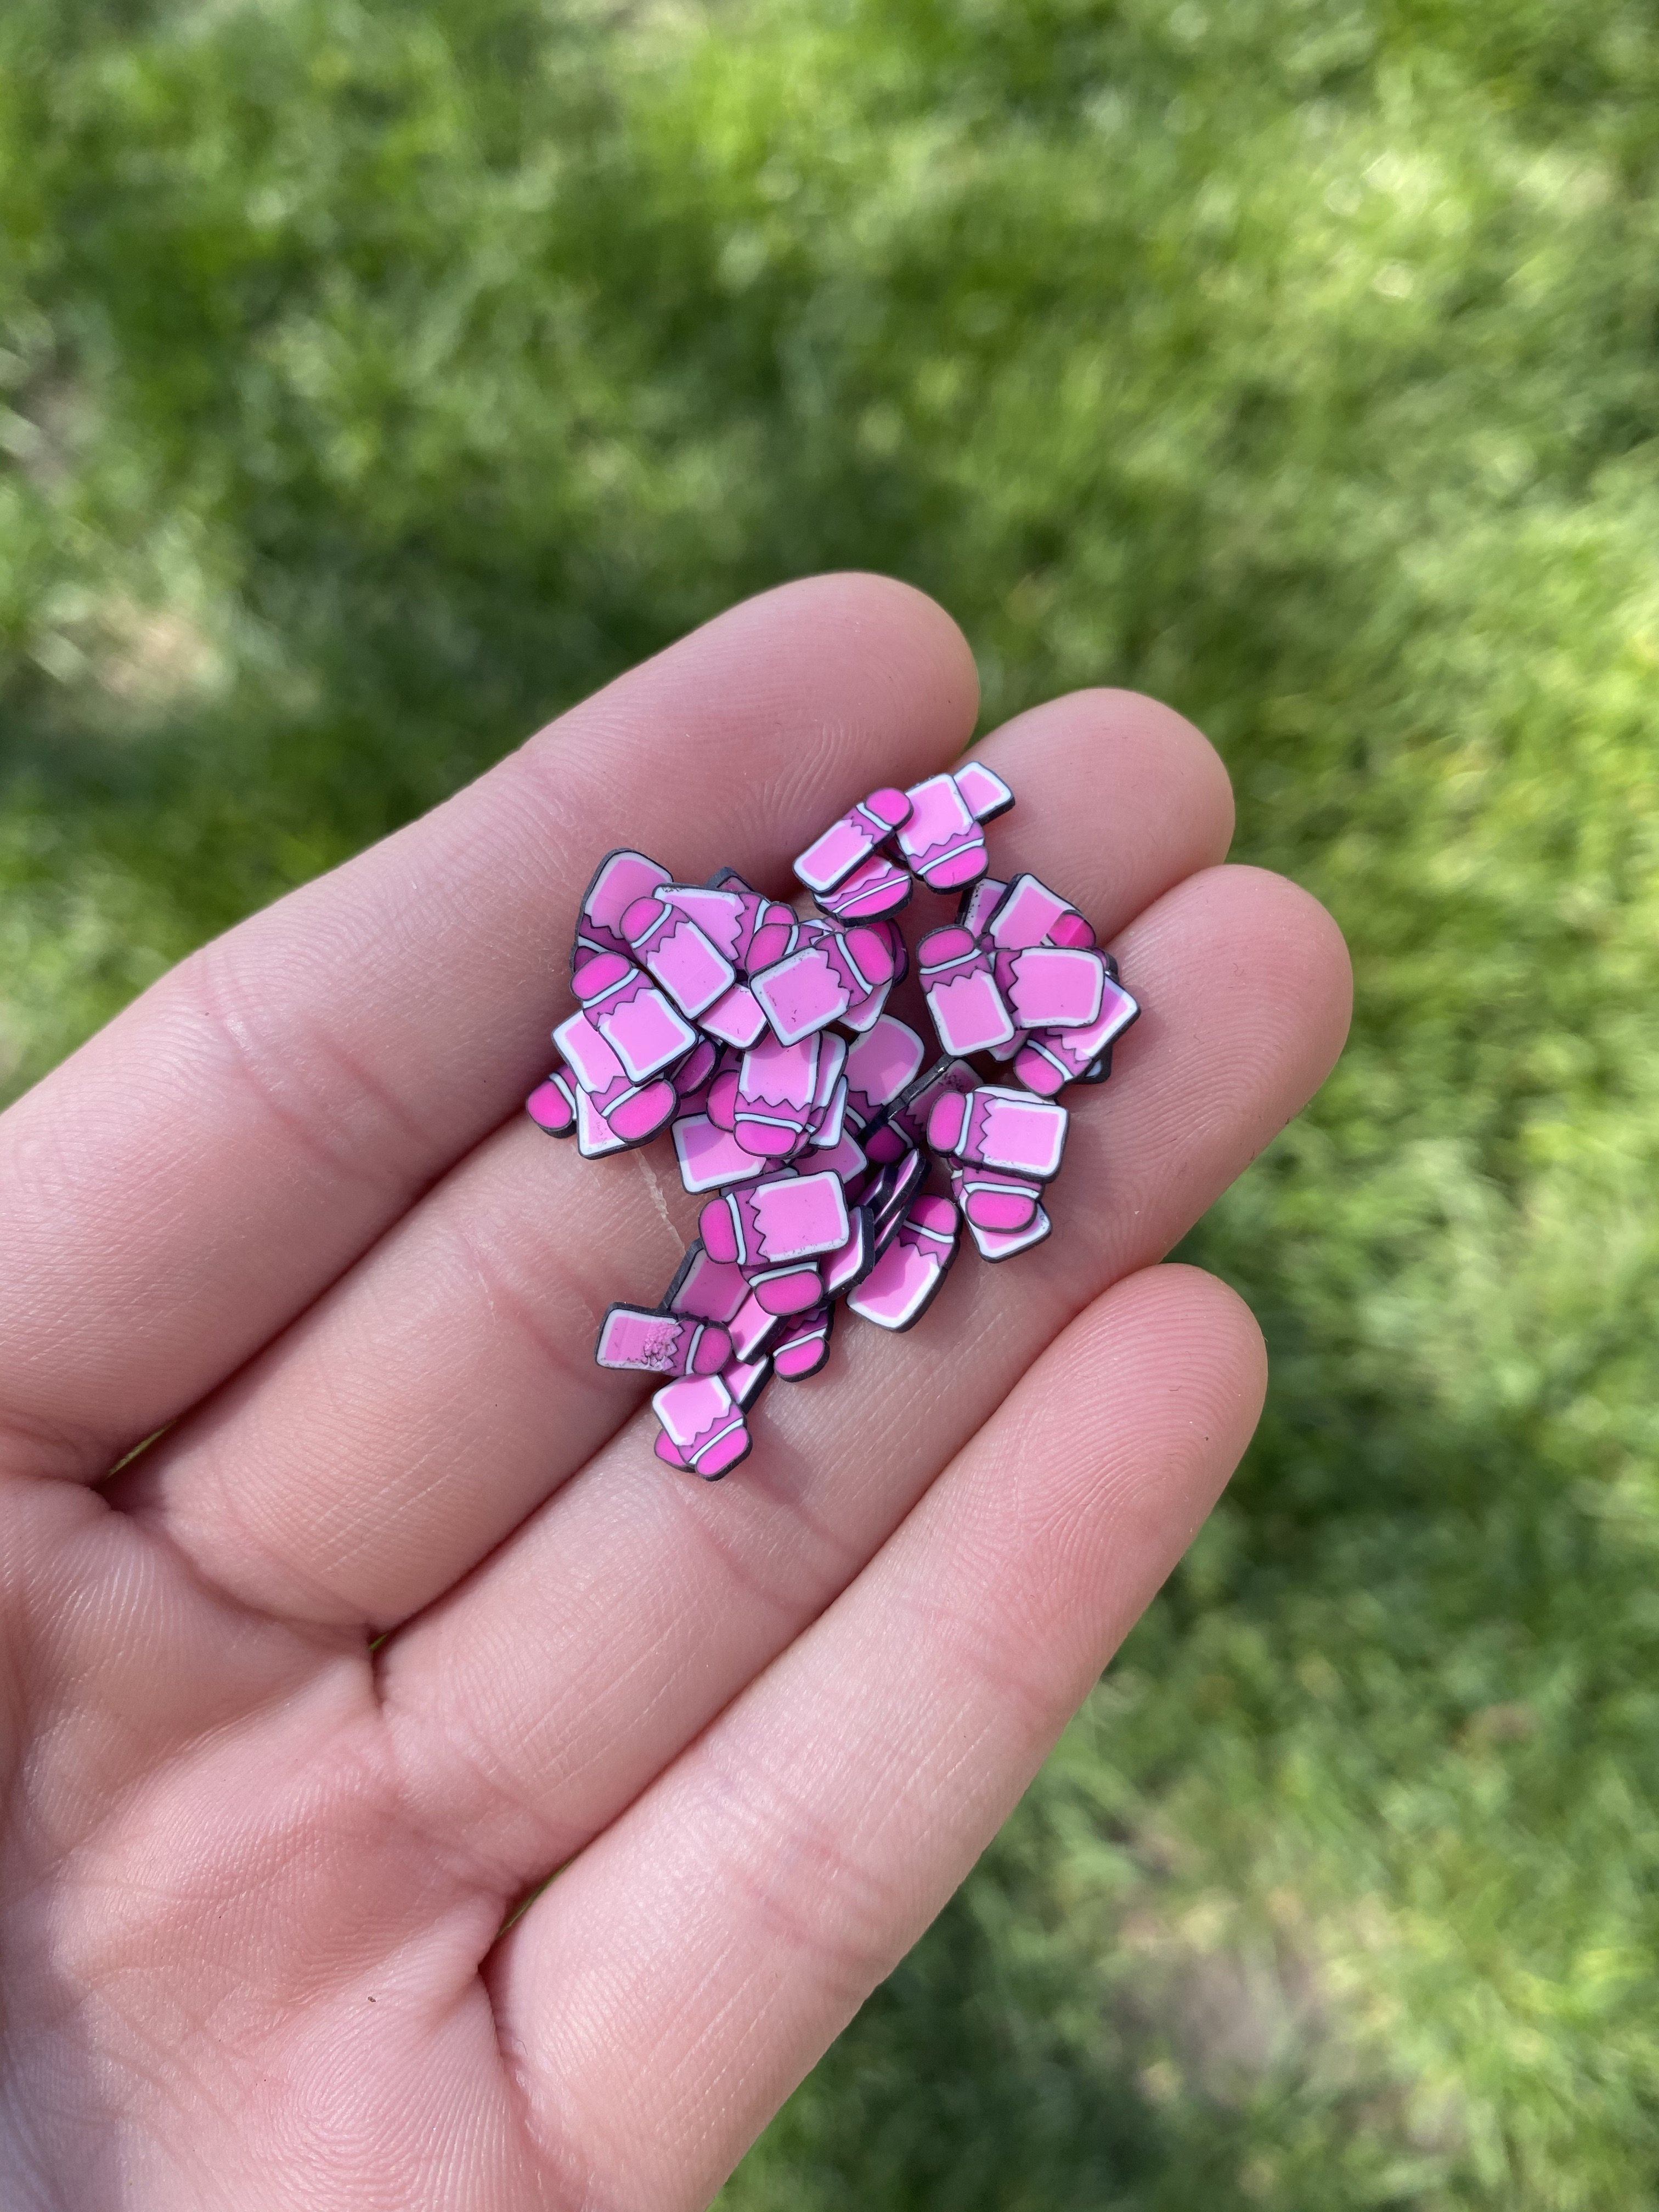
(710, 1158)
(1055, 1057)
(661, 1344)
(991, 1127)
(960, 987)
(787, 1217)
(1029, 913)
(941, 840)
(878, 887)
(620, 879)
(803, 1345)
(983, 791)
(845, 844)
(704, 1426)
(642, 1026)
(745, 1379)
(552, 1105)
(905, 1279)
(1053, 986)
(776, 1088)
(676, 954)
(706, 1289)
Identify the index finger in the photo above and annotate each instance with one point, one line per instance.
(195, 1174)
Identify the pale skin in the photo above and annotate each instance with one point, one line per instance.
(400, 1613)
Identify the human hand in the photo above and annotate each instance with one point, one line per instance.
(402, 1614)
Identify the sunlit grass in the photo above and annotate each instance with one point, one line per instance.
(377, 379)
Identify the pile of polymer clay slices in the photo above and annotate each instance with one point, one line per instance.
(757, 1037)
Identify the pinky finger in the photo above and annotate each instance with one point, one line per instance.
(684, 1973)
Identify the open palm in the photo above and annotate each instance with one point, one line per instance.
(402, 1614)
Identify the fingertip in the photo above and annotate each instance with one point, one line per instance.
(1236, 1349)
(1120, 798)
(1143, 730)
(1268, 943)
(1314, 968)
(903, 632)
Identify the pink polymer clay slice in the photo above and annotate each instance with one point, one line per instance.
(644, 1030)
(753, 1326)
(827, 1121)
(613, 1111)
(983, 791)
(1071, 929)
(827, 1115)
(789, 1288)
(1053, 986)
(961, 991)
(878, 886)
(865, 956)
(695, 1071)
(746, 1378)
(906, 1125)
(844, 1159)
(832, 1059)
(847, 843)
(721, 1106)
(1056, 1057)
(710, 1158)
(1030, 914)
(801, 994)
(699, 1420)
(991, 1127)
(756, 909)
(637, 1116)
(995, 1245)
(889, 1199)
(595, 1137)
(900, 950)
(942, 841)
(552, 1105)
(693, 971)
(719, 913)
(708, 1289)
(990, 1200)
(979, 903)
(787, 1217)
(777, 935)
(879, 1064)
(904, 1282)
(661, 1344)
(851, 1262)
(620, 879)
(735, 1019)
(776, 1085)
(803, 1346)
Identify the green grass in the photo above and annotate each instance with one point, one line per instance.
(378, 377)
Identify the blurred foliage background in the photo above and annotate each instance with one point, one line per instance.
(378, 378)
